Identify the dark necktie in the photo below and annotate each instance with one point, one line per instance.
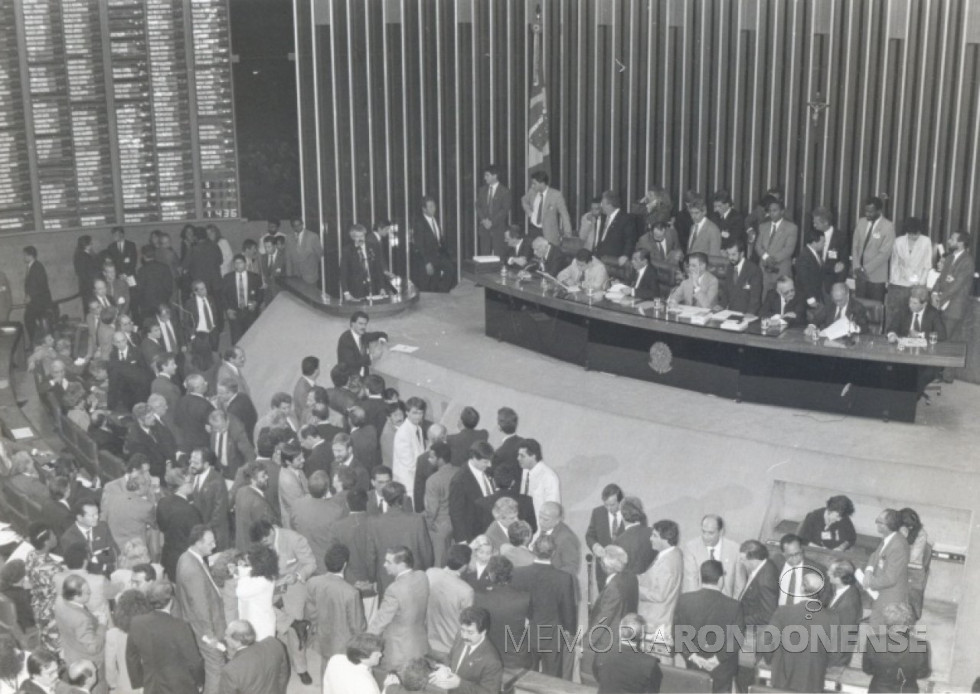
(242, 300)
(916, 326)
(540, 212)
(170, 338)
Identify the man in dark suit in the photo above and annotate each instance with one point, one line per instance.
(202, 261)
(619, 597)
(201, 314)
(252, 504)
(161, 651)
(553, 608)
(509, 609)
(149, 437)
(730, 221)
(210, 497)
(241, 295)
(901, 659)
(761, 591)
(709, 607)
(238, 405)
(176, 518)
(643, 277)
(625, 667)
(469, 486)
(802, 669)
(37, 294)
(191, 417)
(254, 667)
(229, 443)
(129, 376)
(363, 438)
(635, 536)
(519, 251)
(468, 434)
(154, 284)
(836, 253)
(952, 290)
(397, 528)
(362, 271)
(272, 265)
(88, 530)
(842, 304)
(333, 605)
(741, 288)
(353, 345)
(433, 267)
(506, 452)
(380, 477)
(121, 252)
(493, 207)
(351, 531)
(809, 270)
(473, 658)
(616, 236)
(313, 515)
(374, 406)
(785, 303)
(918, 319)
(547, 257)
(605, 526)
(172, 334)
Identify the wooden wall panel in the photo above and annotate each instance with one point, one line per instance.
(831, 100)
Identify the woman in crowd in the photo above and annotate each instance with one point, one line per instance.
(918, 541)
(831, 526)
(256, 588)
(129, 604)
(42, 567)
(476, 575)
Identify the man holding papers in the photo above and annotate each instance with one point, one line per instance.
(842, 307)
(784, 303)
(700, 288)
(586, 272)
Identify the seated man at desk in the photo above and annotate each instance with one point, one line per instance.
(700, 288)
(586, 271)
(362, 272)
(643, 279)
(841, 306)
(741, 289)
(784, 303)
(518, 253)
(917, 319)
(547, 257)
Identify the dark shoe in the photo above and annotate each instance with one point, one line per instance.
(305, 678)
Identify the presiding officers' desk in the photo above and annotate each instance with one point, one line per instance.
(865, 376)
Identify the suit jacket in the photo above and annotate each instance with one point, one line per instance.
(125, 259)
(619, 238)
(428, 248)
(448, 596)
(262, 668)
(102, 547)
(552, 593)
(87, 270)
(376, 412)
(889, 576)
(203, 262)
(375, 504)
(158, 445)
(162, 655)
(250, 506)
(496, 209)
(82, 636)
(848, 612)
(705, 296)
(742, 293)
(707, 241)
(660, 587)
(464, 512)
(695, 554)
(357, 280)
(636, 541)
(709, 608)
(352, 532)
(189, 421)
(154, 286)
(348, 353)
(731, 227)
(760, 595)
(954, 284)
(436, 510)
(658, 252)
(796, 671)
(400, 619)
(300, 393)
(508, 608)
(197, 599)
(211, 501)
(810, 276)
(855, 311)
(623, 670)
(313, 519)
(337, 612)
(460, 442)
(296, 557)
(272, 267)
(239, 451)
(620, 597)
(555, 221)
(293, 486)
(393, 529)
(129, 379)
(481, 671)
(876, 251)
(838, 251)
(522, 250)
(551, 263)
(229, 290)
(242, 409)
(771, 307)
(647, 288)
(36, 287)
(229, 372)
(303, 254)
(900, 322)
(191, 318)
(896, 670)
(175, 518)
(779, 247)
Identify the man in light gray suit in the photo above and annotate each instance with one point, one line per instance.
(546, 210)
(775, 243)
(293, 484)
(314, 515)
(400, 619)
(888, 568)
(871, 249)
(712, 544)
(197, 601)
(448, 596)
(333, 605)
(660, 585)
(436, 511)
(82, 634)
(303, 253)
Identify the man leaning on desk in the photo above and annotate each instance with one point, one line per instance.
(843, 305)
(699, 288)
(586, 272)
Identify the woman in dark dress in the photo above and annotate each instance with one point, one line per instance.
(830, 527)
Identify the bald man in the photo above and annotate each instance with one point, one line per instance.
(254, 667)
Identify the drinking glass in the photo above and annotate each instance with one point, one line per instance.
(933, 338)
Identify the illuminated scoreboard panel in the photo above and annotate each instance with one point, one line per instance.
(115, 111)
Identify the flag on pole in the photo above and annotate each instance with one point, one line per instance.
(538, 148)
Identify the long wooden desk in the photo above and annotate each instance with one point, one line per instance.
(869, 378)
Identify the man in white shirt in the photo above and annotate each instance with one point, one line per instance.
(409, 444)
(586, 272)
(910, 263)
(538, 480)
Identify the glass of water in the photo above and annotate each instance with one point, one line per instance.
(933, 338)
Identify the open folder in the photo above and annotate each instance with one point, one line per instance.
(838, 329)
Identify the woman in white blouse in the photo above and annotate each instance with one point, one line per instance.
(256, 588)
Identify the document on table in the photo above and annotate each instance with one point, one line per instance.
(838, 329)
(486, 259)
(22, 433)
(406, 349)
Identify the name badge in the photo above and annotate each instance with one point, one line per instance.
(876, 235)
(826, 535)
(832, 255)
(724, 234)
(881, 563)
(747, 286)
(949, 278)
